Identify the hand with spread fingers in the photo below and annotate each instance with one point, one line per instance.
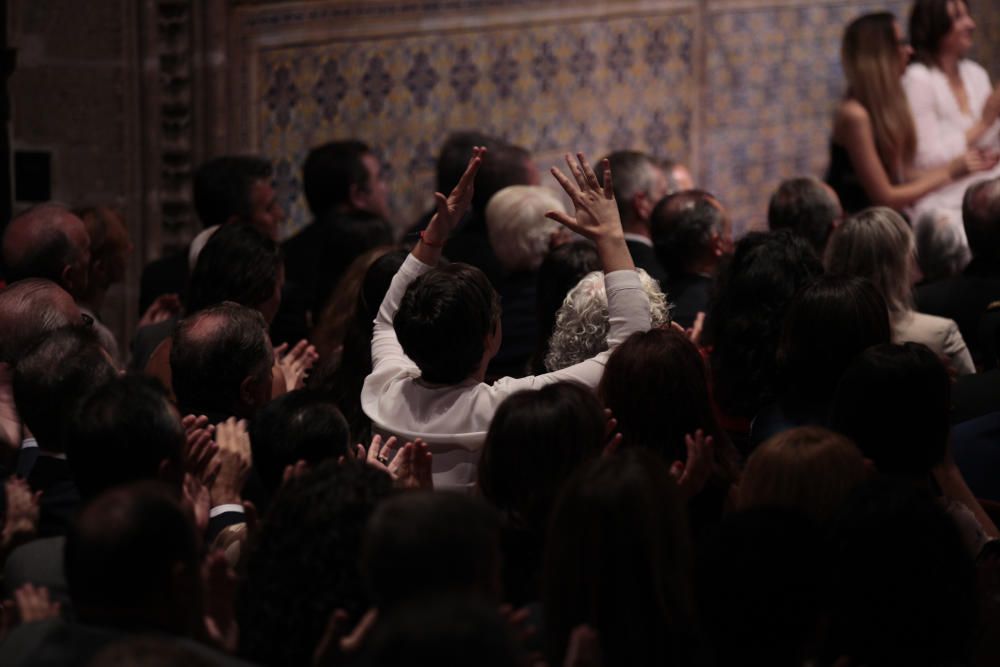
(596, 211)
(295, 363)
(450, 211)
(234, 458)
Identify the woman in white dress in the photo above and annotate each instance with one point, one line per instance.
(954, 105)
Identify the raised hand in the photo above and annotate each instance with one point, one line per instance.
(378, 455)
(163, 308)
(692, 475)
(596, 214)
(295, 363)
(451, 209)
(33, 604)
(411, 469)
(234, 459)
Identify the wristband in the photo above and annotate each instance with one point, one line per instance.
(423, 239)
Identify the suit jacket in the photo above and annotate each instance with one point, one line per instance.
(939, 334)
(963, 298)
(976, 448)
(645, 258)
(975, 395)
(60, 497)
(689, 293)
(167, 275)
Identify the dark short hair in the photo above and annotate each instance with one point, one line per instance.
(121, 554)
(208, 367)
(893, 401)
(535, 441)
(52, 378)
(300, 425)
(929, 23)
(444, 319)
(981, 217)
(329, 172)
(430, 542)
(503, 165)
(238, 264)
(682, 225)
(27, 311)
(454, 156)
(805, 206)
(222, 187)
(123, 432)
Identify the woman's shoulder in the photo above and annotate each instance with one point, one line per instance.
(849, 114)
(918, 71)
(970, 70)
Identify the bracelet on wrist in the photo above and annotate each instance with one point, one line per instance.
(423, 239)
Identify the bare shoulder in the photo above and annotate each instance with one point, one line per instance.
(848, 118)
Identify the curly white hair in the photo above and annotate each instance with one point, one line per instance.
(581, 329)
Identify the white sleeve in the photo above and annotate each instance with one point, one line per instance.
(628, 312)
(939, 138)
(385, 346)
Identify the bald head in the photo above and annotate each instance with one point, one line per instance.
(48, 241)
(30, 308)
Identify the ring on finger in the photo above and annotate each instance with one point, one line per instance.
(382, 458)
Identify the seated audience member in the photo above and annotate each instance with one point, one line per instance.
(521, 236)
(877, 244)
(965, 297)
(678, 176)
(618, 559)
(639, 184)
(49, 382)
(760, 589)
(444, 631)
(353, 362)
(744, 325)
(807, 469)
(536, 440)
(420, 544)
(220, 362)
(807, 206)
(893, 402)
(507, 165)
(581, 327)
(307, 550)
(888, 609)
(692, 236)
(941, 250)
(828, 324)
(659, 368)
(132, 567)
(225, 189)
(438, 328)
(559, 272)
(48, 241)
(301, 425)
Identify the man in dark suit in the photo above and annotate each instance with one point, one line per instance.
(692, 235)
(964, 298)
(640, 183)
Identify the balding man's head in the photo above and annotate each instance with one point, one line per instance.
(48, 241)
(981, 217)
(28, 309)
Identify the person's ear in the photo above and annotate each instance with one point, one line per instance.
(249, 390)
(643, 205)
(68, 278)
(358, 197)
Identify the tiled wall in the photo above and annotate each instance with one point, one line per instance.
(740, 89)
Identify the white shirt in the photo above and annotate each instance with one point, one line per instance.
(453, 419)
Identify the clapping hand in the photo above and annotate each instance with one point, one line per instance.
(234, 459)
(692, 475)
(295, 363)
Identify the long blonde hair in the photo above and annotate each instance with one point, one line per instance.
(870, 57)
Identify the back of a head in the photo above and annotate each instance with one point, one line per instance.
(444, 631)
(53, 376)
(213, 352)
(682, 225)
(806, 469)
(307, 550)
(504, 165)
(650, 370)
(829, 323)
(617, 558)
(518, 229)
(453, 159)
(330, 171)
(893, 402)
(300, 425)
(149, 651)
(981, 217)
(222, 186)
(808, 207)
(753, 295)
(580, 330)
(535, 441)
(30, 308)
(444, 319)
(634, 172)
(124, 432)
(237, 264)
(559, 272)
(43, 242)
(423, 543)
(902, 586)
(124, 556)
(760, 593)
(941, 249)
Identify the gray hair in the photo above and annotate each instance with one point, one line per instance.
(581, 329)
(942, 250)
(519, 231)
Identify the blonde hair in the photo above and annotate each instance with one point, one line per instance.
(519, 231)
(876, 244)
(869, 54)
(809, 469)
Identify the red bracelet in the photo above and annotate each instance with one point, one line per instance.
(423, 239)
